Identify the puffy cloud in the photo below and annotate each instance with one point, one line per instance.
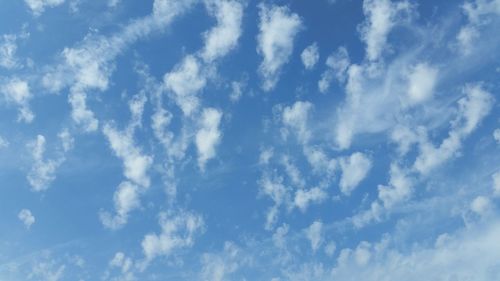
(38, 6)
(310, 56)
(43, 171)
(48, 271)
(398, 190)
(126, 199)
(421, 82)
(295, 117)
(481, 205)
(476, 12)
(208, 136)
(338, 64)
(88, 65)
(8, 48)
(124, 264)
(272, 186)
(496, 135)
(471, 110)
(278, 28)
(224, 37)
(136, 164)
(26, 217)
(315, 235)
(67, 140)
(216, 267)
(305, 197)
(471, 252)
(3, 142)
(354, 169)
(17, 91)
(178, 231)
(185, 81)
(382, 16)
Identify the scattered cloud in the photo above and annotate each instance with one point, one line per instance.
(26, 217)
(278, 28)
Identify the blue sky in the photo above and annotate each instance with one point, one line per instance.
(249, 140)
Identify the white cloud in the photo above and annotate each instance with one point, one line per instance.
(421, 82)
(8, 48)
(17, 91)
(89, 65)
(185, 81)
(330, 249)
(310, 56)
(315, 235)
(26, 217)
(496, 135)
(272, 186)
(470, 253)
(398, 190)
(338, 64)
(224, 37)
(279, 236)
(3, 143)
(136, 164)
(471, 110)
(476, 12)
(354, 169)
(382, 16)
(38, 6)
(67, 140)
(178, 231)
(278, 28)
(305, 197)
(43, 171)
(124, 264)
(496, 183)
(216, 267)
(126, 199)
(47, 271)
(208, 136)
(295, 117)
(481, 205)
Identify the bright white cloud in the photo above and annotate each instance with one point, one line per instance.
(337, 63)
(135, 163)
(43, 171)
(295, 117)
(126, 199)
(278, 28)
(315, 235)
(305, 197)
(310, 56)
(178, 232)
(381, 17)
(208, 136)
(26, 217)
(67, 140)
(185, 81)
(38, 6)
(421, 82)
(481, 205)
(17, 91)
(224, 37)
(354, 169)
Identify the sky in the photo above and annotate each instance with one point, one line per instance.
(249, 140)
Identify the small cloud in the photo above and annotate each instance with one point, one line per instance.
(26, 218)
